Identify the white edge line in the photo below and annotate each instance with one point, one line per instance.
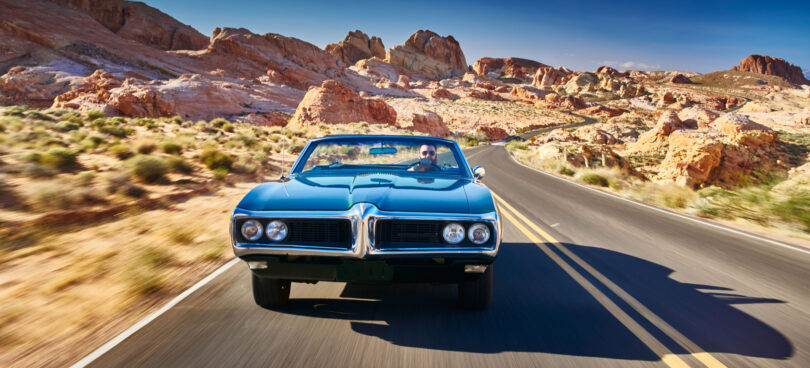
(757, 237)
(148, 319)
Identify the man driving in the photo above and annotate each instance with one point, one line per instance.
(427, 158)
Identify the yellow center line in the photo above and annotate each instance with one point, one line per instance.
(475, 153)
(699, 354)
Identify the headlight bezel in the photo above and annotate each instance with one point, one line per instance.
(259, 232)
(475, 226)
(270, 232)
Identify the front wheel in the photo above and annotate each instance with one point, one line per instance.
(477, 293)
(270, 293)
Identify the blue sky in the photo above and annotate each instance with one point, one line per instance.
(698, 36)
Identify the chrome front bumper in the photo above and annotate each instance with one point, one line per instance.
(363, 217)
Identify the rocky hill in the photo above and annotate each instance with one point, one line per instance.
(357, 46)
(517, 68)
(764, 64)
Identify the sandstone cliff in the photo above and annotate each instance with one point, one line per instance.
(764, 64)
(430, 55)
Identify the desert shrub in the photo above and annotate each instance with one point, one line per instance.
(594, 179)
(228, 127)
(215, 159)
(261, 157)
(85, 178)
(177, 120)
(98, 123)
(171, 148)
(220, 173)
(247, 140)
(31, 156)
(34, 170)
(296, 148)
(516, 144)
(95, 114)
(180, 165)
(218, 122)
(213, 249)
(14, 111)
(66, 126)
(148, 169)
(565, 170)
(795, 208)
(469, 141)
(121, 151)
(245, 165)
(57, 112)
(115, 130)
(37, 115)
(676, 196)
(146, 122)
(73, 117)
(91, 142)
(59, 158)
(181, 234)
(145, 146)
(145, 272)
(121, 182)
(51, 194)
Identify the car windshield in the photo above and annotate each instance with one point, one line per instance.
(382, 154)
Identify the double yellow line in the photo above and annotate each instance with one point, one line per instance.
(666, 355)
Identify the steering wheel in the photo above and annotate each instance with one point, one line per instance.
(414, 165)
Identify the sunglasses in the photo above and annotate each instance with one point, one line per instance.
(428, 153)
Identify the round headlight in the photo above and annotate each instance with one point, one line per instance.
(276, 230)
(479, 233)
(453, 233)
(252, 230)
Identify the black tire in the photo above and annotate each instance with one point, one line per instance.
(270, 293)
(477, 293)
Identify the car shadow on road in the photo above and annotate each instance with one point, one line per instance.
(539, 308)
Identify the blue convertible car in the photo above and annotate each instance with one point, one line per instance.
(371, 209)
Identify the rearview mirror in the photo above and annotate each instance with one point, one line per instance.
(383, 150)
(479, 172)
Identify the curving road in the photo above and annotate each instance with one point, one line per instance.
(583, 279)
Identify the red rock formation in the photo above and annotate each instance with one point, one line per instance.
(334, 103)
(680, 79)
(697, 117)
(567, 102)
(403, 82)
(523, 69)
(528, 93)
(484, 95)
(430, 123)
(611, 72)
(547, 77)
(602, 111)
(493, 132)
(655, 139)
(300, 63)
(484, 85)
(764, 64)
(142, 23)
(357, 46)
(442, 93)
(433, 56)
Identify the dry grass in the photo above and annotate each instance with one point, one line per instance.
(87, 284)
(784, 207)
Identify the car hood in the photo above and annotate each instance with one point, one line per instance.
(387, 192)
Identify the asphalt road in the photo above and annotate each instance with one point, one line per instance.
(583, 279)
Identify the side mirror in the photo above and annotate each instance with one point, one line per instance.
(479, 172)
